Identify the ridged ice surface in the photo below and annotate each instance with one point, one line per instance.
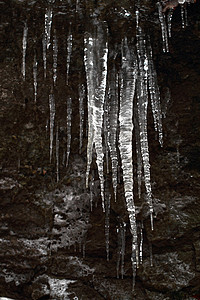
(128, 82)
(95, 58)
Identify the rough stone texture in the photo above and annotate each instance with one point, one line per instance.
(51, 245)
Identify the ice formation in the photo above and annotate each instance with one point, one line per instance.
(95, 58)
(24, 45)
(52, 111)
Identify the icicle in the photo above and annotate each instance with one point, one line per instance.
(52, 110)
(154, 94)
(141, 243)
(121, 237)
(138, 153)
(35, 77)
(113, 125)
(163, 28)
(107, 217)
(128, 81)
(69, 52)
(69, 123)
(95, 58)
(44, 54)
(57, 154)
(81, 115)
(169, 21)
(182, 16)
(142, 105)
(186, 15)
(151, 254)
(24, 45)
(91, 189)
(47, 26)
(55, 57)
(105, 131)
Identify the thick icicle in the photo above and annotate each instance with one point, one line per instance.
(128, 81)
(47, 26)
(95, 58)
(154, 94)
(169, 21)
(121, 237)
(69, 125)
(24, 45)
(57, 154)
(52, 111)
(142, 105)
(55, 57)
(44, 55)
(81, 115)
(69, 52)
(112, 125)
(163, 28)
(138, 152)
(35, 77)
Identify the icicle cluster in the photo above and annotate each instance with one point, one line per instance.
(95, 58)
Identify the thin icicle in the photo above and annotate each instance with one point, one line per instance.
(163, 28)
(151, 254)
(69, 124)
(186, 15)
(128, 81)
(81, 115)
(154, 94)
(182, 16)
(95, 58)
(113, 125)
(107, 219)
(24, 45)
(69, 52)
(35, 77)
(91, 189)
(121, 237)
(169, 21)
(44, 54)
(55, 57)
(52, 111)
(141, 243)
(47, 26)
(57, 154)
(142, 105)
(105, 131)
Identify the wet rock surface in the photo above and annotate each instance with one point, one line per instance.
(52, 246)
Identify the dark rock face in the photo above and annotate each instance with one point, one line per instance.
(52, 246)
